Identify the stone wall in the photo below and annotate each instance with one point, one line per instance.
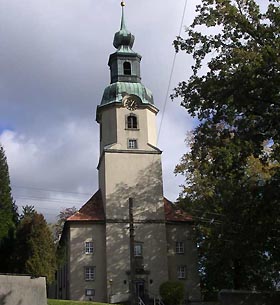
(22, 290)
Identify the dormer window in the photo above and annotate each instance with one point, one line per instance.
(126, 68)
(131, 121)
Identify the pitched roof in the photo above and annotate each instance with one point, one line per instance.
(174, 214)
(92, 210)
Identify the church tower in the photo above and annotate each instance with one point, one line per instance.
(127, 118)
(127, 239)
(130, 167)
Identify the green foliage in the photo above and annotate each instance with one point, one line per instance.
(58, 228)
(172, 292)
(241, 85)
(232, 171)
(8, 210)
(35, 247)
(8, 217)
(61, 218)
(27, 211)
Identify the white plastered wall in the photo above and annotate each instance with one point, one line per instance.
(183, 232)
(79, 234)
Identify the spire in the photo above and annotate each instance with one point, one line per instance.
(123, 38)
(123, 27)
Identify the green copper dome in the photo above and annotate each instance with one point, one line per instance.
(116, 91)
(125, 71)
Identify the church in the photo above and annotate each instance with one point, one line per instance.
(127, 239)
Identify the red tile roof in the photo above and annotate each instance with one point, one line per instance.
(174, 214)
(92, 210)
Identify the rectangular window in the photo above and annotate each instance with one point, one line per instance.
(180, 247)
(127, 68)
(89, 292)
(132, 143)
(88, 247)
(138, 250)
(181, 272)
(132, 121)
(90, 273)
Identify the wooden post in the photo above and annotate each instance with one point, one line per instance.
(132, 258)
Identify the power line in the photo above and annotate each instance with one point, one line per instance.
(49, 190)
(52, 200)
(171, 71)
(42, 208)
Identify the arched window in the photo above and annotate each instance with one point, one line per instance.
(132, 121)
(126, 68)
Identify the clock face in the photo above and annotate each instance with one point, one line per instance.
(130, 102)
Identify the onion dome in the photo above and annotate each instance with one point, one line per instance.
(115, 92)
(125, 73)
(123, 37)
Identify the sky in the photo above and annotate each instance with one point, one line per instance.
(53, 71)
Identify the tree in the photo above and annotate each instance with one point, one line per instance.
(61, 254)
(241, 87)
(172, 292)
(237, 223)
(232, 170)
(35, 246)
(61, 218)
(8, 216)
(8, 210)
(27, 211)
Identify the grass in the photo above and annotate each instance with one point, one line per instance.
(67, 302)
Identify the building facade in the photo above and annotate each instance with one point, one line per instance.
(127, 237)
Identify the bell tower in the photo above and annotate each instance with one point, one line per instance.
(130, 167)
(127, 239)
(124, 63)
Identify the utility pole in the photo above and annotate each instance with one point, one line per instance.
(132, 258)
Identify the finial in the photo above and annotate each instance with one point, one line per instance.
(123, 37)
(122, 20)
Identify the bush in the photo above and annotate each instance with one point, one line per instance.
(172, 292)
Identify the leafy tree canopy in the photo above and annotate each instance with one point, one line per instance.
(35, 246)
(241, 86)
(232, 170)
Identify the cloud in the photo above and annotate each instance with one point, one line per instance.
(39, 167)
(54, 69)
